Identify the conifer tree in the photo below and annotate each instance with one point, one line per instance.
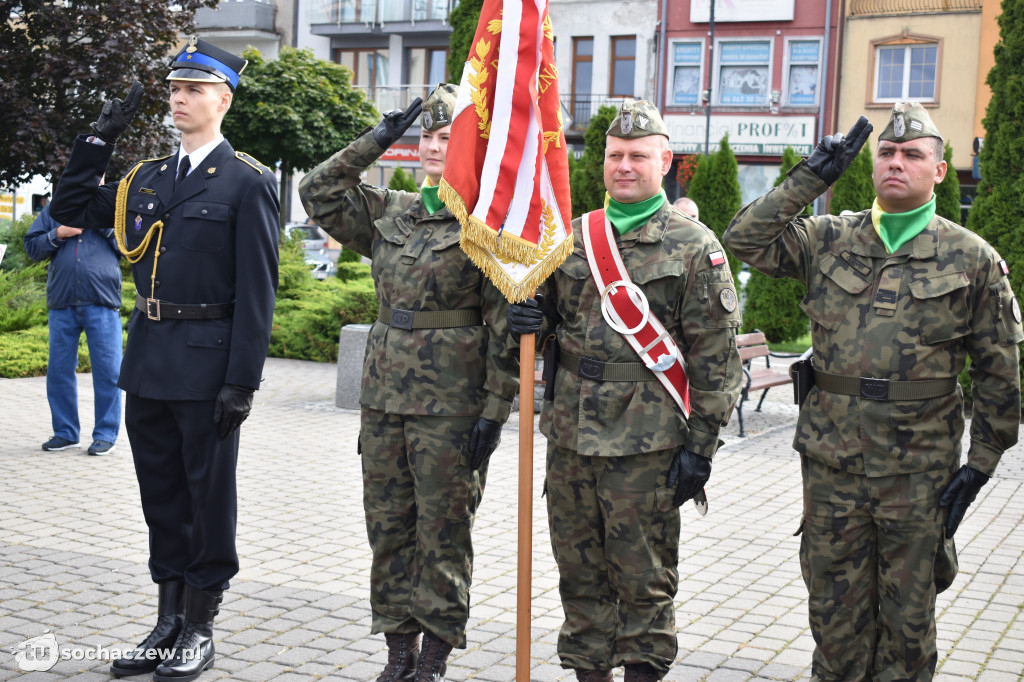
(402, 181)
(586, 178)
(854, 191)
(715, 188)
(947, 192)
(773, 305)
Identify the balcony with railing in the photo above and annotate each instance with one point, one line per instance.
(861, 8)
(379, 11)
(254, 15)
(581, 108)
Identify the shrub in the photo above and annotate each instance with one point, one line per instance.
(773, 306)
(402, 181)
(348, 256)
(352, 271)
(23, 298)
(307, 327)
(27, 351)
(13, 234)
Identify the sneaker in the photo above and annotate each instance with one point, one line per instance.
(57, 443)
(100, 447)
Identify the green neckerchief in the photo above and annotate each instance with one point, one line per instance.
(626, 217)
(896, 229)
(430, 199)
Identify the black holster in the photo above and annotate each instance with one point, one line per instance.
(550, 353)
(802, 373)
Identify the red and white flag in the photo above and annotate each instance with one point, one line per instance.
(507, 176)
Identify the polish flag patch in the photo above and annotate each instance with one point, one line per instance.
(716, 257)
(1004, 267)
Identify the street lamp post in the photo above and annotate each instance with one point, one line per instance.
(711, 77)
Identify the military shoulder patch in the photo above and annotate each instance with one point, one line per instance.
(1004, 268)
(716, 258)
(251, 161)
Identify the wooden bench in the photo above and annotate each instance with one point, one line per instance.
(752, 346)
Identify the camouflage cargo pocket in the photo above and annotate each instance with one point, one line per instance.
(939, 309)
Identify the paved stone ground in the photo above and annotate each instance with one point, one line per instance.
(73, 554)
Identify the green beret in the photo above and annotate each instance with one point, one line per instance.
(637, 118)
(909, 121)
(440, 106)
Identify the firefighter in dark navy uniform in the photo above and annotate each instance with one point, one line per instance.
(200, 228)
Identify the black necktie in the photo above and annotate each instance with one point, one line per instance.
(182, 170)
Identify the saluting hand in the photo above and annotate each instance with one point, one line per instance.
(834, 153)
(395, 123)
(117, 115)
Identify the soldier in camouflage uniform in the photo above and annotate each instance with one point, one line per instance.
(621, 456)
(438, 383)
(898, 298)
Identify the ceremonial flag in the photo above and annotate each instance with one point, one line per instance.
(507, 176)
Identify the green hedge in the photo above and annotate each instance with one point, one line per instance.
(307, 318)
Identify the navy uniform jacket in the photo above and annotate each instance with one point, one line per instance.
(219, 244)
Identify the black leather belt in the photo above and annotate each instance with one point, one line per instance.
(884, 389)
(596, 370)
(429, 319)
(157, 310)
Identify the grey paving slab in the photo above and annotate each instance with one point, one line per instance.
(73, 554)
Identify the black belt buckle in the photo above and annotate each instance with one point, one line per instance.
(591, 369)
(874, 389)
(401, 319)
(149, 309)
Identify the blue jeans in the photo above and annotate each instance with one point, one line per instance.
(102, 327)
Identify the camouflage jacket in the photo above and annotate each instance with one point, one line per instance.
(669, 259)
(915, 314)
(417, 265)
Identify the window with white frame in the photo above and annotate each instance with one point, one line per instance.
(803, 72)
(906, 71)
(687, 73)
(744, 72)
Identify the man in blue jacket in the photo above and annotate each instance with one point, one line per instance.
(83, 293)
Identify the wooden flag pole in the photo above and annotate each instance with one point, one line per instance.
(527, 355)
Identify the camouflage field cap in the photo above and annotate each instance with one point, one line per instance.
(909, 121)
(637, 118)
(439, 107)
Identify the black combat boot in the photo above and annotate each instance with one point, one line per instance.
(433, 663)
(193, 650)
(403, 653)
(170, 614)
(641, 672)
(593, 675)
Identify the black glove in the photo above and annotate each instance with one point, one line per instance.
(688, 473)
(525, 317)
(483, 440)
(834, 153)
(231, 408)
(959, 494)
(395, 123)
(117, 115)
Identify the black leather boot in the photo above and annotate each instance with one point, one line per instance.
(433, 663)
(403, 653)
(593, 675)
(170, 615)
(193, 650)
(641, 672)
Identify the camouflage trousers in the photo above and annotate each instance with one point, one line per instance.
(615, 537)
(420, 497)
(868, 559)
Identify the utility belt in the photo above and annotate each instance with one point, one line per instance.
(157, 310)
(884, 389)
(429, 319)
(596, 370)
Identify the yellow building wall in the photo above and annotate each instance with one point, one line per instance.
(954, 111)
(989, 37)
